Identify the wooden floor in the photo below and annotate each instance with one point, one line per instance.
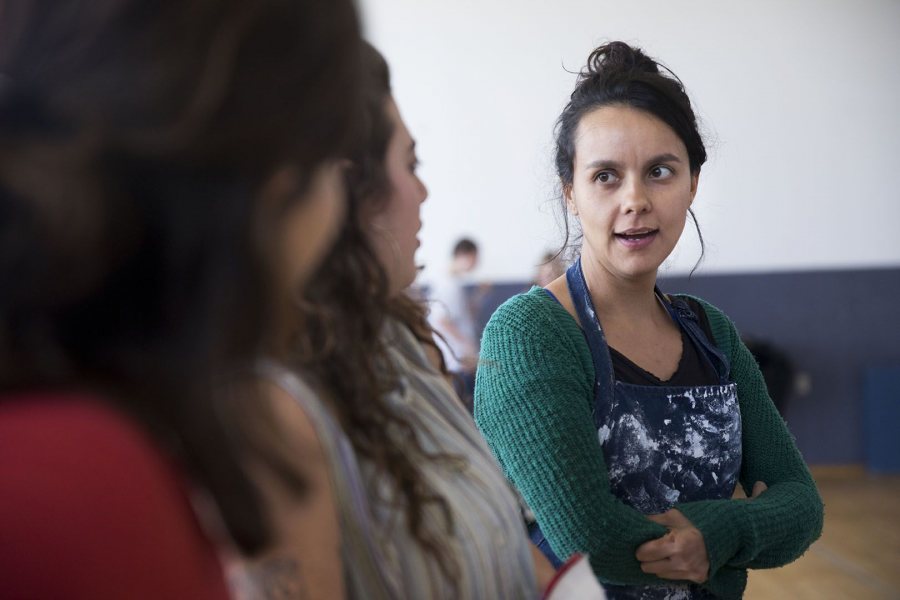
(858, 555)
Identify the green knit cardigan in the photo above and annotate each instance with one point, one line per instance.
(533, 397)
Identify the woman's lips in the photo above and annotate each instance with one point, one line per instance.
(636, 239)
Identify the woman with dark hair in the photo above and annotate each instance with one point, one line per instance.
(157, 163)
(425, 512)
(624, 416)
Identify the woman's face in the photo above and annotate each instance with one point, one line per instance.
(631, 189)
(394, 227)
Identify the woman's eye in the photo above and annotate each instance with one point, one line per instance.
(661, 172)
(605, 177)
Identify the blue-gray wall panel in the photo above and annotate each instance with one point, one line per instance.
(833, 325)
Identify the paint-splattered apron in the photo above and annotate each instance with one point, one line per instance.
(662, 444)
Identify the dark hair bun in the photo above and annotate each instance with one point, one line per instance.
(619, 74)
(618, 58)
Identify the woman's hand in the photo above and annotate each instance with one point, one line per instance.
(758, 488)
(543, 570)
(680, 554)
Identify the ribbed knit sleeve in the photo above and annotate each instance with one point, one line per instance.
(533, 399)
(779, 525)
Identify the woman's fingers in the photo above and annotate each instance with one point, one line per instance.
(672, 518)
(543, 570)
(680, 555)
(657, 567)
(657, 549)
(758, 488)
(666, 569)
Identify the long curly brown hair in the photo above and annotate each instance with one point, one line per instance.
(343, 314)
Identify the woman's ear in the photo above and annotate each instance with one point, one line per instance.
(570, 199)
(695, 181)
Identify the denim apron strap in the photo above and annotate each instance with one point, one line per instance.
(683, 315)
(604, 378)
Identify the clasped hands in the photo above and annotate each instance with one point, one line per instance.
(681, 553)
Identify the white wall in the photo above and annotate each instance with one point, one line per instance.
(800, 100)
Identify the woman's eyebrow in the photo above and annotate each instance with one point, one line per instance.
(665, 157)
(603, 163)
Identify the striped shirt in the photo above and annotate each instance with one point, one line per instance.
(487, 543)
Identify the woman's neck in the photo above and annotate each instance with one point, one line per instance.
(616, 298)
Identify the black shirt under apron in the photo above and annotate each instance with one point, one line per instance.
(693, 368)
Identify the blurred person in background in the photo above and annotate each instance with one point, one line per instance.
(550, 268)
(156, 161)
(452, 315)
(424, 510)
(624, 416)
(782, 378)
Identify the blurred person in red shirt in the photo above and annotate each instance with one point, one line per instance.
(167, 171)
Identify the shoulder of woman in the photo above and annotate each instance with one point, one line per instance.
(534, 312)
(87, 482)
(98, 468)
(302, 417)
(534, 333)
(82, 431)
